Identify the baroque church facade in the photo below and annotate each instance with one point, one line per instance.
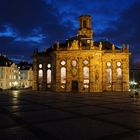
(81, 64)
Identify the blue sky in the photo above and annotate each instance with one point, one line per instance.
(29, 24)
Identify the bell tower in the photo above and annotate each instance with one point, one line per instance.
(85, 26)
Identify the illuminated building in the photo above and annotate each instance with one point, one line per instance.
(25, 74)
(81, 64)
(9, 73)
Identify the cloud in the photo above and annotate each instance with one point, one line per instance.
(126, 29)
(26, 25)
(7, 31)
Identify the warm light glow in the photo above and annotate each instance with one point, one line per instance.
(133, 83)
(74, 63)
(49, 65)
(108, 64)
(15, 83)
(63, 62)
(63, 75)
(86, 81)
(85, 62)
(109, 75)
(86, 72)
(15, 93)
(10, 84)
(119, 73)
(48, 76)
(40, 65)
(40, 75)
(118, 64)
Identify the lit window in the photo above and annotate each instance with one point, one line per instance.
(86, 72)
(63, 86)
(86, 81)
(63, 75)
(86, 86)
(119, 74)
(108, 64)
(10, 84)
(48, 76)
(118, 64)
(86, 77)
(85, 62)
(49, 65)
(40, 75)
(109, 75)
(74, 63)
(63, 62)
(40, 66)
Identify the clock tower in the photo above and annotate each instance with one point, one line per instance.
(85, 26)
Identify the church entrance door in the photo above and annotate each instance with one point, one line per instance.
(74, 85)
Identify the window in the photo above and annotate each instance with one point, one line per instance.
(119, 72)
(49, 66)
(109, 75)
(108, 64)
(63, 75)
(40, 66)
(86, 72)
(86, 77)
(48, 76)
(86, 62)
(118, 64)
(40, 75)
(74, 63)
(63, 63)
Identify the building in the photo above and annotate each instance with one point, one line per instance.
(81, 64)
(26, 74)
(9, 73)
(135, 75)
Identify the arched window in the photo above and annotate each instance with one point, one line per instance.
(109, 75)
(119, 74)
(40, 75)
(49, 66)
(63, 75)
(119, 71)
(86, 77)
(48, 76)
(40, 66)
(86, 72)
(85, 62)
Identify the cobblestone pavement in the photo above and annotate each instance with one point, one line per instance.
(28, 115)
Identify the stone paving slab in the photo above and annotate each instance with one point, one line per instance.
(27, 115)
(81, 129)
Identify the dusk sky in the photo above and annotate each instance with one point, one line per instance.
(29, 24)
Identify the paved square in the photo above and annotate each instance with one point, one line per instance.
(36, 115)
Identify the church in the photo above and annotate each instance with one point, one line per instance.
(81, 64)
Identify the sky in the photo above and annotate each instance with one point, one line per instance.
(29, 24)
